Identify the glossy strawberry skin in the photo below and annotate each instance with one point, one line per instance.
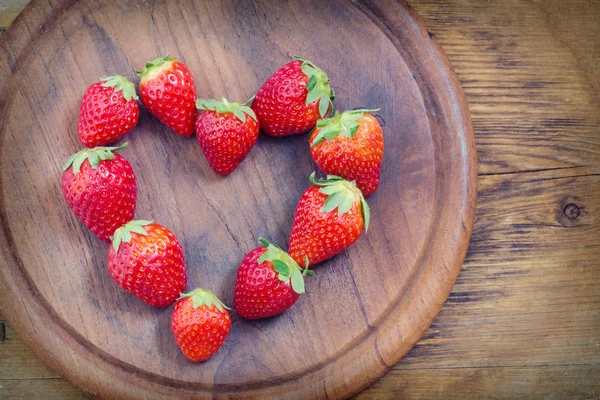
(170, 96)
(150, 267)
(224, 139)
(201, 331)
(103, 198)
(258, 293)
(105, 116)
(357, 159)
(280, 103)
(318, 235)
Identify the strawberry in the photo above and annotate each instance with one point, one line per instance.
(200, 324)
(350, 145)
(109, 110)
(226, 133)
(293, 99)
(319, 231)
(268, 282)
(100, 187)
(168, 91)
(147, 260)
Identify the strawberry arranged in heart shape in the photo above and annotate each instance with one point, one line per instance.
(330, 217)
(100, 187)
(226, 133)
(109, 109)
(168, 91)
(293, 99)
(200, 324)
(350, 145)
(147, 260)
(268, 282)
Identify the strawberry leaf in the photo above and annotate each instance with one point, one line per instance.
(241, 111)
(281, 268)
(312, 82)
(283, 264)
(297, 281)
(323, 105)
(333, 201)
(345, 205)
(123, 234)
(204, 297)
(317, 87)
(154, 63)
(366, 212)
(345, 124)
(314, 95)
(92, 155)
(341, 194)
(120, 84)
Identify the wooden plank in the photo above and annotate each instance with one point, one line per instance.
(551, 382)
(530, 73)
(528, 292)
(9, 9)
(39, 389)
(16, 360)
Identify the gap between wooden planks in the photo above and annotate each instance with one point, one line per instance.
(524, 316)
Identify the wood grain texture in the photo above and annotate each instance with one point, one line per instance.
(392, 283)
(522, 318)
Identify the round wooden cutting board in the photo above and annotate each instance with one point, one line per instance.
(363, 310)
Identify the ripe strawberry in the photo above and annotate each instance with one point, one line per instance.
(350, 145)
(109, 110)
(100, 187)
(293, 99)
(225, 134)
(200, 324)
(147, 260)
(268, 282)
(319, 232)
(168, 91)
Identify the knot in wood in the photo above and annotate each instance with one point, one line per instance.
(571, 211)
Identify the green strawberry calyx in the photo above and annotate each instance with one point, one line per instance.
(345, 124)
(206, 297)
(94, 156)
(123, 234)
(120, 83)
(154, 67)
(341, 194)
(223, 107)
(286, 268)
(317, 86)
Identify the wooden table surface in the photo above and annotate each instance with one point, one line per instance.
(524, 317)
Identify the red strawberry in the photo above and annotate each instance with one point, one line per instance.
(168, 91)
(350, 145)
(268, 282)
(100, 188)
(147, 260)
(293, 99)
(109, 110)
(200, 324)
(319, 230)
(225, 133)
